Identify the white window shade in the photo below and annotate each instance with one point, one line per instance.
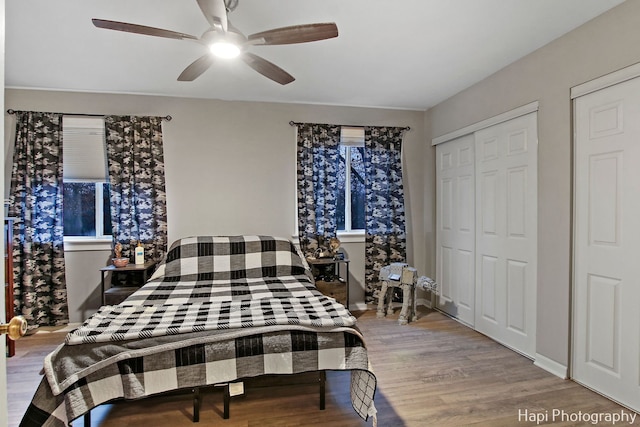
(83, 145)
(352, 136)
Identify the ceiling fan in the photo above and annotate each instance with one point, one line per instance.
(226, 41)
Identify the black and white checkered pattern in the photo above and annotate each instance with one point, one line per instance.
(206, 363)
(217, 310)
(168, 291)
(231, 258)
(118, 323)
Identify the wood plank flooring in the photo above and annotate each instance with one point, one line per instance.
(433, 372)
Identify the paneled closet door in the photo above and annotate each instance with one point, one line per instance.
(606, 323)
(455, 235)
(506, 232)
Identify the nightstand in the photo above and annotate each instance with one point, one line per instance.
(332, 277)
(118, 293)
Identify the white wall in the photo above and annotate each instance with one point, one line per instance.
(230, 169)
(605, 44)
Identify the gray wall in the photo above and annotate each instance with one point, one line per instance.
(605, 44)
(230, 169)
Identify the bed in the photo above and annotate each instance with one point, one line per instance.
(217, 310)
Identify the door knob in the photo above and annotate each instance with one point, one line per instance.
(16, 328)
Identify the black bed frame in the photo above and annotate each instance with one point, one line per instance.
(197, 398)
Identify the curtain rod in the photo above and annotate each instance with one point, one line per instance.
(292, 123)
(12, 112)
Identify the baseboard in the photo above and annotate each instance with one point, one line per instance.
(551, 366)
(425, 303)
(359, 306)
(63, 328)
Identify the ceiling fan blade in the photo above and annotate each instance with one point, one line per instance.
(233, 29)
(295, 34)
(140, 29)
(196, 68)
(216, 13)
(267, 69)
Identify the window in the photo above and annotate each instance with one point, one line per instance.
(351, 179)
(86, 209)
(87, 214)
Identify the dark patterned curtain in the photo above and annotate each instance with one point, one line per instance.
(318, 151)
(40, 292)
(136, 174)
(384, 211)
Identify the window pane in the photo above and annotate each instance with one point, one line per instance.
(106, 209)
(341, 185)
(79, 206)
(357, 188)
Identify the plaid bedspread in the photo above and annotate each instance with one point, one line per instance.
(117, 323)
(217, 310)
(130, 370)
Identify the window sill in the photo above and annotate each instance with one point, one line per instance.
(79, 244)
(351, 236)
(343, 236)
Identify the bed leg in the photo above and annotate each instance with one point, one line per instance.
(196, 405)
(322, 379)
(227, 397)
(87, 419)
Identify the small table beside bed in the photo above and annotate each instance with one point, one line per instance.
(216, 311)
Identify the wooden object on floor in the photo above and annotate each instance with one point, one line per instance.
(433, 372)
(116, 294)
(330, 279)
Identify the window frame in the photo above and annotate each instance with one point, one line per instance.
(347, 191)
(350, 136)
(78, 128)
(100, 241)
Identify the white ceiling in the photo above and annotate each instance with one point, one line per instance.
(408, 54)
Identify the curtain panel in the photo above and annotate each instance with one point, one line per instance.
(135, 161)
(318, 150)
(384, 212)
(40, 292)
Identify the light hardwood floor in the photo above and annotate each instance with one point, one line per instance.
(433, 372)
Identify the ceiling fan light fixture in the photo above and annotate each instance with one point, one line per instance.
(224, 49)
(225, 41)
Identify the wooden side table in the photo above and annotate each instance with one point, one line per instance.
(116, 294)
(329, 278)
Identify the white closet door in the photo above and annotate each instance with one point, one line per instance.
(455, 235)
(606, 323)
(506, 227)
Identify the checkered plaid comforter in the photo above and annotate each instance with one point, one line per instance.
(203, 320)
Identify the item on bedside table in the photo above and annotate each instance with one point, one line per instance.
(119, 261)
(334, 245)
(139, 254)
(117, 250)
